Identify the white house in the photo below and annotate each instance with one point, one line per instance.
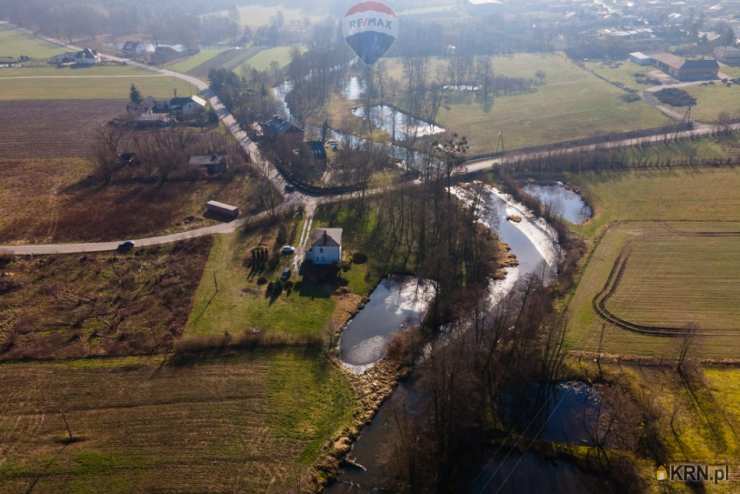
(325, 246)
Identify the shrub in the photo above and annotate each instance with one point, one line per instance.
(675, 97)
(359, 258)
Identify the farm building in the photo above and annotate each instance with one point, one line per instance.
(326, 246)
(728, 55)
(686, 70)
(213, 164)
(640, 58)
(222, 210)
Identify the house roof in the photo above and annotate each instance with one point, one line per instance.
(677, 63)
(673, 61)
(326, 237)
(198, 100)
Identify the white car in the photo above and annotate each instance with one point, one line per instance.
(287, 250)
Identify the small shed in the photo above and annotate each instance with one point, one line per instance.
(214, 164)
(220, 209)
(325, 246)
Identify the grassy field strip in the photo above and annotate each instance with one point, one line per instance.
(572, 103)
(86, 76)
(714, 100)
(685, 200)
(72, 88)
(265, 58)
(14, 43)
(46, 70)
(200, 58)
(241, 424)
(667, 282)
(674, 280)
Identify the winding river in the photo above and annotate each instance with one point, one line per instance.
(534, 243)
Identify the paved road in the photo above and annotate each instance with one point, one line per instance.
(479, 165)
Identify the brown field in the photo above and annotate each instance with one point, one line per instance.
(53, 129)
(102, 304)
(48, 202)
(249, 423)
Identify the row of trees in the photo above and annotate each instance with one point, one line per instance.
(249, 98)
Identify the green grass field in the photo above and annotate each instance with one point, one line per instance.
(248, 423)
(571, 104)
(303, 313)
(678, 277)
(711, 101)
(90, 87)
(668, 198)
(265, 58)
(15, 43)
(621, 72)
(50, 70)
(190, 63)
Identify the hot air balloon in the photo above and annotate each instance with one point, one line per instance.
(370, 28)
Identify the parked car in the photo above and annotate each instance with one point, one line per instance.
(286, 275)
(289, 189)
(287, 250)
(126, 247)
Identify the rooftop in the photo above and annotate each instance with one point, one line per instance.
(326, 237)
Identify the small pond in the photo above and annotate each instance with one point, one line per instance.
(565, 201)
(396, 304)
(399, 125)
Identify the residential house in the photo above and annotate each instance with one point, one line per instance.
(86, 57)
(686, 70)
(325, 247)
(278, 127)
